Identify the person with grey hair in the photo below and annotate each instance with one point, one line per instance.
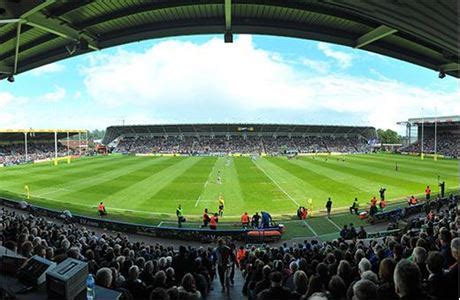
(134, 285)
(369, 275)
(300, 283)
(104, 277)
(407, 280)
(364, 265)
(289, 281)
(419, 256)
(364, 290)
(265, 282)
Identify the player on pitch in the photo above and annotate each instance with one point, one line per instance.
(221, 205)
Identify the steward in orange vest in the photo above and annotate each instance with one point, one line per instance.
(245, 220)
(213, 221)
(240, 255)
(412, 200)
(101, 209)
(206, 218)
(427, 192)
(382, 204)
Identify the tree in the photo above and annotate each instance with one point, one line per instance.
(388, 136)
(96, 134)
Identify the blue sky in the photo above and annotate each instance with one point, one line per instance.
(201, 79)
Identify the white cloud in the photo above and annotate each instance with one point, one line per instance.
(318, 66)
(179, 81)
(58, 94)
(184, 81)
(47, 69)
(12, 112)
(342, 58)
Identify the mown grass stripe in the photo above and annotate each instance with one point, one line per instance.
(95, 178)
(411, 169)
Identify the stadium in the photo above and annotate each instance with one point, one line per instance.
(179, 209)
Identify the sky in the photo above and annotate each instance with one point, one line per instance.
(201, 79)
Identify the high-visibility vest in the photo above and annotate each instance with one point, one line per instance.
(244, 219)
(240, 254)
(101, 207)
(413, 200)
(205, 217)
(427, 191)
(213, 221)
(382, 204)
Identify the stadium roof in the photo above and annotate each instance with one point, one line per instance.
(114, 132)
(37, 32)
(10, 135)
(447, 120)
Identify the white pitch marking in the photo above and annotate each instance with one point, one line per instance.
(197, 201)
(333, 223)
(161, 223)
(279, 187)
(309, 227)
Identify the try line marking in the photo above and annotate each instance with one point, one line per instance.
(309, 227)
(279, 187)
(333, 223)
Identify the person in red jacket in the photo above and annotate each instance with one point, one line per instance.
(382, 205)
(101, 209)
(213, 221)
(245, 220)
(206, 218)
(427, 192)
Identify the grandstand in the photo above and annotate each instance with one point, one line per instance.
(34, 145)
(402, 252)
(259, 139)
(434, 135)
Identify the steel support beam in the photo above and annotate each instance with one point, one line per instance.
(55, 27)
(16, 53)
(4, 69)
(228, 37)
(449, 67)
(7, 21)
(374, 35)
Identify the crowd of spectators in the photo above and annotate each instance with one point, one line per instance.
(446, 144)
(421, 263)
(240, 144)
(417, 264)
(11, 154)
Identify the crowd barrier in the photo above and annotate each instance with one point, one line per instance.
(190, 234)
(403, 212)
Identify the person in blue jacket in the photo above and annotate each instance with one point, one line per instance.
(266, 219)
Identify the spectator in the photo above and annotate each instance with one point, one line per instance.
(104, 277)
(407, 281)
(364, 290)
(187, 289)
(276, 290)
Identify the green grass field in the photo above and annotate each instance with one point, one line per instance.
(148, 189)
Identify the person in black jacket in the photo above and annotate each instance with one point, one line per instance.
(276, 290)
(329, 206)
